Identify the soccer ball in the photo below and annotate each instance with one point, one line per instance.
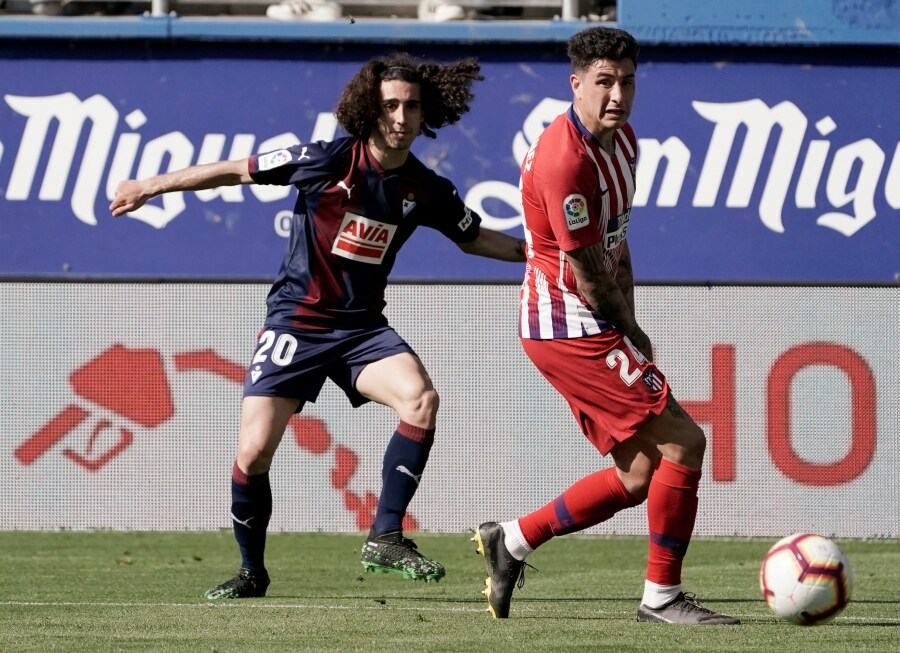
(806, 579)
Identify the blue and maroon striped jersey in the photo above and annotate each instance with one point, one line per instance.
(350, 219)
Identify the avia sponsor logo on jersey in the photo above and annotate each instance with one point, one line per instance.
(575, 209)
(616, 229)
(361, 239)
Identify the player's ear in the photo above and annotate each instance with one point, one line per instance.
(575, 83)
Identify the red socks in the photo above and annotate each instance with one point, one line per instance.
(588, 502)
(671, 512)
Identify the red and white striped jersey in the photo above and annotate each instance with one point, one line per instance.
(574, 194)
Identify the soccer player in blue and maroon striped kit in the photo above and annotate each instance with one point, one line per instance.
(360, 198)
(577, 324)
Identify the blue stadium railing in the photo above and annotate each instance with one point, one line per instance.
(664, 22)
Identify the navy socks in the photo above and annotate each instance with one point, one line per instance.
(404, 462)
(251, 508)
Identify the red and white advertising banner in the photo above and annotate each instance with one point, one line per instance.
(121, 406)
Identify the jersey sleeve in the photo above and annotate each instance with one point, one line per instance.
(450, 215)
(300, 165)
(568, 189)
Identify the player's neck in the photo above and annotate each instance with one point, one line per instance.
(388, 157)
(606, 138)
(607, 142)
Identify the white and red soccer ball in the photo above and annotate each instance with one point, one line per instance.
(806, 579)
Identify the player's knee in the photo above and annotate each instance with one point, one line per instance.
(421, 408)
(637, 480)
(253, 459)
(692, 447)
(697, 442)
(433, 402)
(638, 489)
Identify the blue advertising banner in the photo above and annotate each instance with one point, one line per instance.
(754, 165)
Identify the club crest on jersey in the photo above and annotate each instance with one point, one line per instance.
(408, 205)
(273, 159)
(575, 209)
(653, 381)
(361, 239)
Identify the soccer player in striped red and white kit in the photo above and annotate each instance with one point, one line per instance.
(577, 324)
(359, 200)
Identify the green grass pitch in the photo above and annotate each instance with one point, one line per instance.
(115, 591)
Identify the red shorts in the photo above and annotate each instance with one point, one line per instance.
(611, 388)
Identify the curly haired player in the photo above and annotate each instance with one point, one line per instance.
(360, 199)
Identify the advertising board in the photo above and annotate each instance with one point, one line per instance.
(131, 422)
(754, 166)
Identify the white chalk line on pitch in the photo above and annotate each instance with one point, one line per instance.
(230, 604)
(305, 606)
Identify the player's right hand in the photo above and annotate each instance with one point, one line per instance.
(130, 196)
(642, 342)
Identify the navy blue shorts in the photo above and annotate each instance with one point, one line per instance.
(294, 364)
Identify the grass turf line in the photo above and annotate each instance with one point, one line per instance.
(115, 591)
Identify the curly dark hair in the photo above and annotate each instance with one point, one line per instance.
(446, 92)
(595, 43)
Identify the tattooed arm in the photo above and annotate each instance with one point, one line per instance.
(625, 278)
(601, 291)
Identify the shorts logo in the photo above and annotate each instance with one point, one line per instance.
(466, 222)
(255, 373)
(575, 209)
(652, 380)
(361, 239)
(274, 159)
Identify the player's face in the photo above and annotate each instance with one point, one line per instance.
(401, 114)
(604, 94)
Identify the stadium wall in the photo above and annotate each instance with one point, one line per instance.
(121, 405)
(765, 238)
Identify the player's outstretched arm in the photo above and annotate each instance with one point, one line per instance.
(132, 194)
(494, 244)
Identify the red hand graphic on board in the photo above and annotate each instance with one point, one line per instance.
(129, 382)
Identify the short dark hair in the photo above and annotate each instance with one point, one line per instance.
(446, 92)
(587, 46)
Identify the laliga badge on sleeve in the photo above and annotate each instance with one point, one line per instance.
(575, 209)
(274, 159)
